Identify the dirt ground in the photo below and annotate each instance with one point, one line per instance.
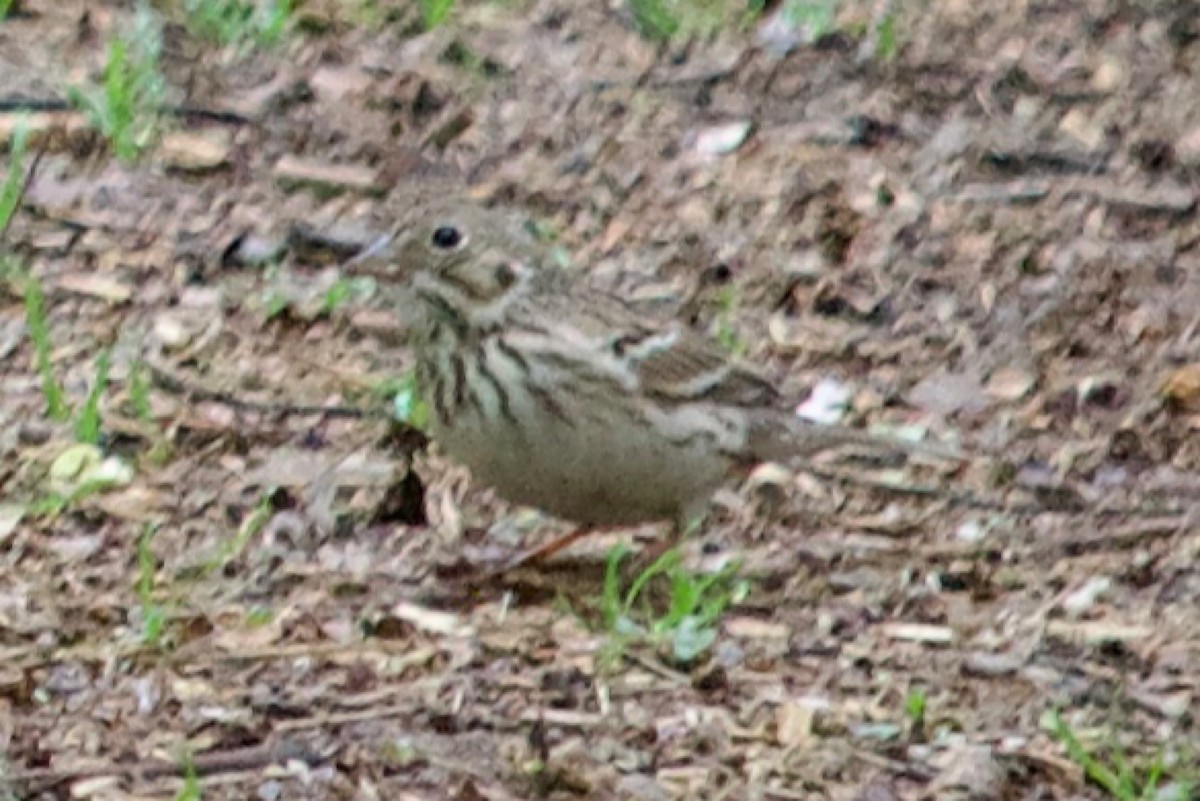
(992, 235)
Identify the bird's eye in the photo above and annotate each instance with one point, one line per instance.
(446, 237)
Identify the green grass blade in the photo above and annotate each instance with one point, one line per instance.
(1095, 770)
(39, 335)
(661, 565)
(654, 19)
(87, 427)
(610, 596)
(434, 12)
(14, 178)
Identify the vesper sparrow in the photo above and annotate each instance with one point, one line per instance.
(565, 398)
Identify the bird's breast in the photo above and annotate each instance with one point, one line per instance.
(548, 435)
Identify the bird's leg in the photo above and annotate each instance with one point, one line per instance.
(681, 528)
(541, 552)
(659, 547)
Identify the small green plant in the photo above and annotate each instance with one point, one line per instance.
(126, 106)
(231, 22)
(139, 393)
(87, 425)
(914, 706)
(1123, 778)
(435, 12)
(688, 623)
(39, 335)
(275, 304)
(343, 291)
(726, 334)
(407, 405)
(14, 176)
(661, 20)
(54, 504)
(886, 37)
(655, 19)
(190, 791)
(368, 14)
(817, 17)
(260, 616)
(5, 7)
(139, 404)
(336, 296)
(251, 526)
(154, 616)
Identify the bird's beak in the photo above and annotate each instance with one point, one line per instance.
(371, 253)
(375, 260)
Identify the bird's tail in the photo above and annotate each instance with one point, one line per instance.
(782, 438)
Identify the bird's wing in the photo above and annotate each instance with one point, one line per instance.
(670, 361)
(676, 364)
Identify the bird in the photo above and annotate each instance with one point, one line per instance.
(566, 398)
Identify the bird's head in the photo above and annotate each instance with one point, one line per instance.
(461, 265)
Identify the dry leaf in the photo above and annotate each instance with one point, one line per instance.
(432, 620)
(1182, 387)
(194, 152)
(794, 724)
(1010, 383)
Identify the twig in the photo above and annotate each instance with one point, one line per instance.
(1156, 512)
(237, 759)
(51, 104)
(914, 770)
(1125, 536)
(344, 718)
(167, 380)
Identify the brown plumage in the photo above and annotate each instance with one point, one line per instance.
(566, 399)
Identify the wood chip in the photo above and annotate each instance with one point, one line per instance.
(794, 724)
(291, 169)
(754, 629)
(432, 620)
(38, 125)
(919, 632)
(195, 151)
(1096, 632)
(96, 286)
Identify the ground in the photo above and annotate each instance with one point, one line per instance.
(989, 233)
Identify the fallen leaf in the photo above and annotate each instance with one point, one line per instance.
(10, 517)
(331, 84)
(826, 403)
(195, 152)
(722, 139)
(432, 620)
(1010, 384)
(96, 286)
(1084, 598)
(1182, 387)
(1082, 128)
(249, 638)
(794, 724)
